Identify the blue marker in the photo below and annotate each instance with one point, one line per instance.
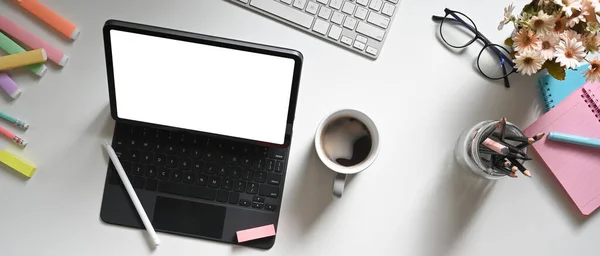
(574, 139)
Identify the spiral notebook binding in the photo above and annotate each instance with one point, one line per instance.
(547, 96)
(592, 102)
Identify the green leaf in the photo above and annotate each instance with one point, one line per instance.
(555, 70)
(509, 42)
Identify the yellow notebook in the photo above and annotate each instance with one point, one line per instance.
(23, 59)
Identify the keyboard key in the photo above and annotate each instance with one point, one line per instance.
(247, 174)
(299, 4)
(147, 157)
(278, 153)
(134, 155)
(325, 13)
(184, 163)
(244, 202)
(370, 31)
(262, 151)
(388, 9)
(171, 162)
(222, 170)
(122, 154)
(379, 20)
(260, 176)
(346, 40)
(132, 143)
(270, 191)
(222, 196)
(171, 150)
(246, 161)
(184, 151)
(376, 4)
(362, 2)
(197, 153)
(187, 190)
(321, 26)
(234, 159)
(361, 39)
(337, 18)
(312, 7)
(270, 207)
(277, 9)
(334, 33)
(151, 184)
(372, 50)
(138, 182)
(163, 173)
(361, 13)
(325, 2)
(211, 168)
(279, 166)
(214, 182)
(350, 23)
(146, 145)
(257, 205)
(273, 179)
(202, 180)
(159, 146)
(270, 165)
(176, 175)
(189, 177)
(235, 172)
(259, 163)
(239, 186)
(348, 8)
(259, 199)
(159, 159)
(198, 166)
(209, 155)
(234, 197)
(359, 45)
(150, 171)
(252, 188)
(336, 4)
(137, 169)
(226, 184)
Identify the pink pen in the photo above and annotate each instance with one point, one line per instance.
(32, 42)
(9, 86)
(13, 137)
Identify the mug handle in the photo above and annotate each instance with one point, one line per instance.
(338, 184)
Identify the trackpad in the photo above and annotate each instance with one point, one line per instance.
(189, 217)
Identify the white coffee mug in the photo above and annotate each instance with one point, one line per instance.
(341, 172)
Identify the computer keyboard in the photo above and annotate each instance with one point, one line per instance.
(357, 25)
(200, 167)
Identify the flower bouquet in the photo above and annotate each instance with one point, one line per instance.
(555, 35)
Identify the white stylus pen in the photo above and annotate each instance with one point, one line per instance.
(131, 192)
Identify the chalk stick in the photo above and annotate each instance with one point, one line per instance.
(11, 47)
(255, 233)
(51, 18)
(23, 59)
(17, 164)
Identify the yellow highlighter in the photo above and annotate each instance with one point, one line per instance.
(22, 59)
(17, 164)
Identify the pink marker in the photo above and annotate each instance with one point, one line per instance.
(16, 139)
(9, 86)
(496, 146)
(255, 233)
(32, 41)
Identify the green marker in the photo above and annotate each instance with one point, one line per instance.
(11, 47)
(14, 121)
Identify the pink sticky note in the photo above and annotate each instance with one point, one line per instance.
(255, 233)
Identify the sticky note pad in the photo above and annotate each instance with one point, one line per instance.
(255, 233)
(14, 162)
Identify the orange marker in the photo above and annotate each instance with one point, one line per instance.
(50, 17)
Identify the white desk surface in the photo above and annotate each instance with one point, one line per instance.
(413, 201)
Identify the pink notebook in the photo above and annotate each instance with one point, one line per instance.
(577, 168)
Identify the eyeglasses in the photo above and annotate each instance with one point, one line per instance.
(459, 31)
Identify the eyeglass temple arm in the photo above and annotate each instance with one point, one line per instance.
(506, 82)
(487, 41)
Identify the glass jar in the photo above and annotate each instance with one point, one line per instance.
(467, 149)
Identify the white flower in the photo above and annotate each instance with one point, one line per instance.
(591, 42)
(570, 34)
(569, 53)
(528, 62)
(526, 40)
(578, 16)
(543, 22)
(593, 73)
(593, 3)
(549, 42)
(507, 14)
(568, 6)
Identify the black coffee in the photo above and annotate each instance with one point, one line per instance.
(346, 141)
